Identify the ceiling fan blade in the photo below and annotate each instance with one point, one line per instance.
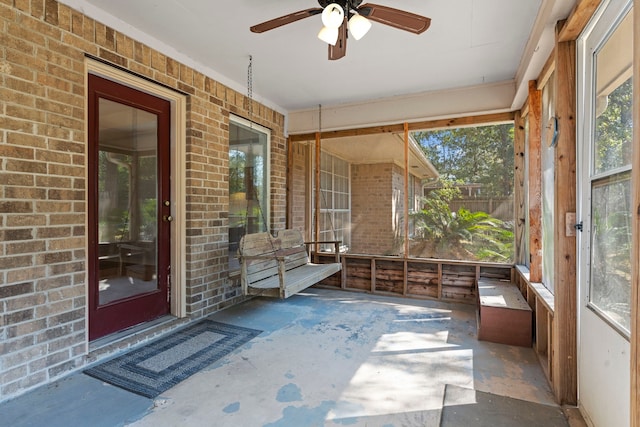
(284, 20)
(340, 49)
(396, 18)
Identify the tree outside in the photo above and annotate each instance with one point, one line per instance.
(476, 164)
(611, 208)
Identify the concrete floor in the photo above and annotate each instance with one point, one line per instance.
(325, 358)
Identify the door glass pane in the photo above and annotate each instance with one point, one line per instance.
(610, 266)
(127, 201)
(613, 107)
(248, 185)
(611, 248)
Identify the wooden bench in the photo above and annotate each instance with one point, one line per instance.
(280, 266)
(503, 314)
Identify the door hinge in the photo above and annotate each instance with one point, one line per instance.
(578, 226)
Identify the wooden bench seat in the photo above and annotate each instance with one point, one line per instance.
(503, 314)
(280, 266)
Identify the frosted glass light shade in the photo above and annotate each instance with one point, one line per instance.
(333, 15)
(328, 35)
(359, 26)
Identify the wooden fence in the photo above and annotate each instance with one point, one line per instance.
(497, 207)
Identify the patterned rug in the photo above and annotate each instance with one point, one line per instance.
(161, 364)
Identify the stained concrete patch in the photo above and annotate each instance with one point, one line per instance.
(289, 393)
(307, 416)
(77, 400)
(404, 353)
(230, 409)
(467, 407)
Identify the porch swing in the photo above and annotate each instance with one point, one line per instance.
(279, 266)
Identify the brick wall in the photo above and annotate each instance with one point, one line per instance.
(371, 209)
(42, 182)
(300, 177)
(377, 209)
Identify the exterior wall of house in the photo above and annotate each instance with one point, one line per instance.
(372, 209)
(398, 201)
(299, 187)
(43, 169)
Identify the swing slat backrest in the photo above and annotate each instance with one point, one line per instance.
(279, 266)
(264, 248)
(292, 247)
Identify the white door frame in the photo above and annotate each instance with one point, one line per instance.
(178, 171)
(603, 351)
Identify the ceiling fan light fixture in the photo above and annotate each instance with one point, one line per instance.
(329, 35)
(359, 26)
(333, 15)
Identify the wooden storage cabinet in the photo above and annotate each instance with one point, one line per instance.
(504, 316)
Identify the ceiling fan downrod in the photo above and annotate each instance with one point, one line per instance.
(347, 5)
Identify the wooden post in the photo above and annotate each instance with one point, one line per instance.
(405, 230)
(635, 253)
(289, 184)
(535, 183)
(373, 275)
(564, 267)
(439, 280)
(317, 193)
(520, 204)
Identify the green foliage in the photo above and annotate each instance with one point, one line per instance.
(237, 164)
(614, 129)
(479, 155)
(462, 234)
(149, 218)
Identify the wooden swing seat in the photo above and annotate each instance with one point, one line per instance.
(280, 266)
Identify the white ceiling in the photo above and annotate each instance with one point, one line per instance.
(469, 43)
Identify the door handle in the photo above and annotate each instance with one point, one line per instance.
(167, 218)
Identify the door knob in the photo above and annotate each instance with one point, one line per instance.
(167, 218)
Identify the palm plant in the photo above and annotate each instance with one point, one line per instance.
(460, 234)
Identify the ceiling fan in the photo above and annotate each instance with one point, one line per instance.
(338, 16)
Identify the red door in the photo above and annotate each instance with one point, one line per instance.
(129, 207)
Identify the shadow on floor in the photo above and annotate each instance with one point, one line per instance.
(466, 407)
(324, 358)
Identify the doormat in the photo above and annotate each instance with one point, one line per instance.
(161, 364)
(467, 407)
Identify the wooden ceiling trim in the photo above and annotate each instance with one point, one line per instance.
(415, 126)
(578, 19)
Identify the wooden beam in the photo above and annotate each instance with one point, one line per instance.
(415, 126)
(635, 253)
(564, 267)
(405, 228)
(535, 183)
(577, 20)
(521, 254)
(316, 224)
(289, 184)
